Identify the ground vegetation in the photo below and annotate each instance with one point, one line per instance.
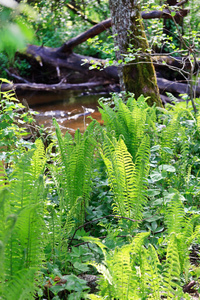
(112, 213)
(109, 214)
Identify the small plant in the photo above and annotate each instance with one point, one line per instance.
(13, 129)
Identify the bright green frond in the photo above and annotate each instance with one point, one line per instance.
(174, 216)
(38, 160)
(22, 287)
(152, 276)
(172, 267)
(119, 265)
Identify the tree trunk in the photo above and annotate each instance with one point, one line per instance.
(138, 76)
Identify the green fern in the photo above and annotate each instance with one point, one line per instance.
(174, 216)
(129, 120)
(75, 169)
(22, 286)
(119, 265)
(151, 276)
(23, 232)
(38, 160)
(120, 279)
(128, 181)
(172, 268)
(3, 177)
(182, 226)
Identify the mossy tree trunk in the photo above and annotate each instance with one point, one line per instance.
(138, 75)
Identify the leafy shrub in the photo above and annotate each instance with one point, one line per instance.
(13, 128)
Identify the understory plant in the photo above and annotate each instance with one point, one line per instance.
(120, 200)
(13, 126)
(135, 271)
(22, 230)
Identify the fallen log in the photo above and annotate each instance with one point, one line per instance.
(164, 85)
(66, 64)
(68, 72)
(51, 87)
(176, 87)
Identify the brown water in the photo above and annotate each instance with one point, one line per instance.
(71, 110)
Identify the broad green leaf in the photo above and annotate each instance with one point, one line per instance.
(156, 176)
(167, 150)
(155, 148)
(152, 192)
(168, 168)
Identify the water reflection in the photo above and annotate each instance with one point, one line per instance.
(72, 113)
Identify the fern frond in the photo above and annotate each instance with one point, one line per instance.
(127, 181)
(141, 173)
(119, 269)
(38, 160)
(174, 216)
(23, 232)
(185, 239)
(152, 276)
(21, 185)
(102, 269)
(76, 159)
(195, 235)
(168, 135)
(69, 225)
(119, 265)
(128, 121)
(22, 287)
(137, 126)
(3, 176)
(137, 244)
(120, 170)
(172, 267)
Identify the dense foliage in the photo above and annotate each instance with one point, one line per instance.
(120, 200)
(109, 214)
(51, 23)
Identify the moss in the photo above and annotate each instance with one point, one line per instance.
(142, 78)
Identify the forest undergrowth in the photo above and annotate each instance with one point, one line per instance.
(112, 213)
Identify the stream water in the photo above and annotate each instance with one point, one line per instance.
(71, 110)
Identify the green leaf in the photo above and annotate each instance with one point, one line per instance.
(57, 288)
(155, 148)
(167, 168)
(154, 226)
(81, 267)
(75, 284)
(153, 192)
(156, 176)
(167, 150)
